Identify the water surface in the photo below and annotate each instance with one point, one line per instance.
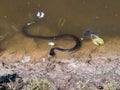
(61, 16)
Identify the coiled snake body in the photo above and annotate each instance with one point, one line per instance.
(25, 31)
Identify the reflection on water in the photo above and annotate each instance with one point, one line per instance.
(62, 16)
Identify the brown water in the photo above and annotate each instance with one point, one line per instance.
(63, 16)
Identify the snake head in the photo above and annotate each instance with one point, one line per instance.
(51, 53)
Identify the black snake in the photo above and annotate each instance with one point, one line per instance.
(25, 31)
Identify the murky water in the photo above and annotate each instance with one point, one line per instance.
(62, 16)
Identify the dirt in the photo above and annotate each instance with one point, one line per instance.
(69, 74)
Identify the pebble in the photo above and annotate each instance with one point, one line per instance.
(26, 59)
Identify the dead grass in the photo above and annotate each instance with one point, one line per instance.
(40, 84)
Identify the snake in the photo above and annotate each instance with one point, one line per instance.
(76, 47)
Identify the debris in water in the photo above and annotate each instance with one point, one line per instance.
(82, 39)
(40, 15)
(97, 40)
(51, 43)
(61, 22)
(30, 23)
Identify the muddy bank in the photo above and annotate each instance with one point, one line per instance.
(75, 74)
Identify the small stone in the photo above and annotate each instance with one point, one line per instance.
(43, 59)
(73, 65)
(26, 59)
